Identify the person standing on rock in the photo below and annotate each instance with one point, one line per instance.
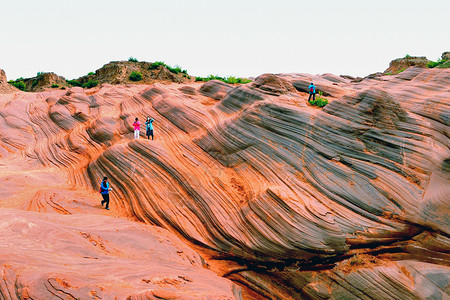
(149, 127)
(137, 128)
(312, 91)
(104, 190)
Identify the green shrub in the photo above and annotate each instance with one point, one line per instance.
(407, 56)
(19, 84)
(175, 70)
(319, 100)
(135, 76)
(389, 73)
(398, 72)
(90, 73)
(54, 86)
(74, 82)
(432, 64)
(35, 82)
(156, 65)
(440, 63)
(230, 80)
(39, 74)
(243, 80)
(131, 58)
(90, 84)
(444, 64)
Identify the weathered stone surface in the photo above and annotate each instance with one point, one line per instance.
(345, 202)
(215, 89)
(273, 85)
(400, 64)
(5, 87)
(45, 81)
(53, 256)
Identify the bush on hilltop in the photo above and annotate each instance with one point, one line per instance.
(230, 80)
(175, 70)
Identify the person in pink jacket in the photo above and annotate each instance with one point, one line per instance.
(137, 128)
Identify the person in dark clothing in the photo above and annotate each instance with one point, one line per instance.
(149, 127)
(312, 92)
(104, 190)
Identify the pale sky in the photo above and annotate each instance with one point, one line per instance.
(234, 37)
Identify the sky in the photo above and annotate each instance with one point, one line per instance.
(227, 38)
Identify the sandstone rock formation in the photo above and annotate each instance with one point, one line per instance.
(118, 72)
(44, 81)
(400, 64)
(287, 200)
(5, 87)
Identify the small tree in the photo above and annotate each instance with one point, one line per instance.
(132, 59)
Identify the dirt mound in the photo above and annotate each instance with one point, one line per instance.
(400, 64)
(118, 72)
(45, 81)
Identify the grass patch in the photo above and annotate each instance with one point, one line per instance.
(74, 82)
(398, 72)
(133, 59)
(135, 76)
(230, 79)
(90, 84)
(55, 86)
(175, 70)
(319, 101)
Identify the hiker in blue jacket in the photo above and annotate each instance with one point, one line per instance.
(312, 91)
(149, 127)
(104, 190)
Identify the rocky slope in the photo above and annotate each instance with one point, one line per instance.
(286, 200)
(400, 64)
(118, 72)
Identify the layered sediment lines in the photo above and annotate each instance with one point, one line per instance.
(349, 201)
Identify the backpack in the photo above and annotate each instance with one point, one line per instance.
(311, 89)
(102, 188)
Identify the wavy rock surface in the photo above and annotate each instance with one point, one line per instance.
(81, 256)
(289, 201)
